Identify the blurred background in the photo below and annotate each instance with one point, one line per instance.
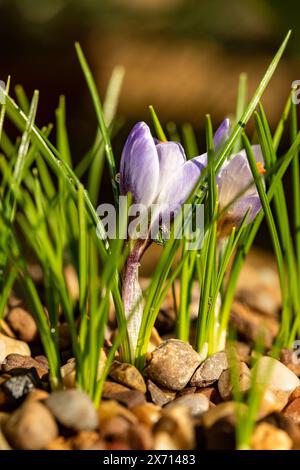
(182, 56)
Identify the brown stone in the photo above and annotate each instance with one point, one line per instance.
(196, 403)
(60, 443)
(140, 437)
(210, 370)
(37, 395)
(272, 401)
(147, 414)
(268, 437)
(111, 408)
(175, 430)
(17, 361)
(159, 396)
(31, 427)
(243, 351)
(128, 375)
(258, 284)
(114, 428)
(212, 394)
(73, 409)
(294, 394)
(223, 410)
(186, 391)
(85, 440)
(225, 385)
(281, 421)
(291, 360)
(4, 445)
(128, 397)
(252, 325)
(173, 364)
(275, 374)
(116, 445)
(23, 324)
(68, 374)
(12, 346)
(292, 410)
(221, 435)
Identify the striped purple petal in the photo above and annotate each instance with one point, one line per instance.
(222, 133)
(139, 168)
(171, 157)
(237, 190)
(177, 190)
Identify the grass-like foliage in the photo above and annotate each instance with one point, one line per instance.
(47, 214)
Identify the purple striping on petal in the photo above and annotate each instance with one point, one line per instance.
(171, 158)
(222, 133)
(139, 169)
(179, 187)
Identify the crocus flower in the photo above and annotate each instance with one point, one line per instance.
(159, 173)
(237, 192)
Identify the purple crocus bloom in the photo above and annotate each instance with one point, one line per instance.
(159, 173)
(237, 191)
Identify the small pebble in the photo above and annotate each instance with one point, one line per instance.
(281, 421)
(172, 364)
(23, 324)
(294, 394)
(268, 437)
(127, 374)
(68, 374)
(85, 440)
(31, 427)
(37, 395)
(115, 428)
(4, 445)
(125, 395)
(140, 437)
(222, 410)
(60, 443)
(17, 388)
(221, 435)
(272, 401)
(212, 394)
(291, 360)
(110, 408)
(16, 361)
(147, 414)
(252, 324)
(225, 385)
(159, 396)
(292, 411)
(196, 403)
(10, 346)
(210, 370)
(73, 409)
(175, 430)
(271, 372)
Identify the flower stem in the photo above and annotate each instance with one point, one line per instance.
(132, 296)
